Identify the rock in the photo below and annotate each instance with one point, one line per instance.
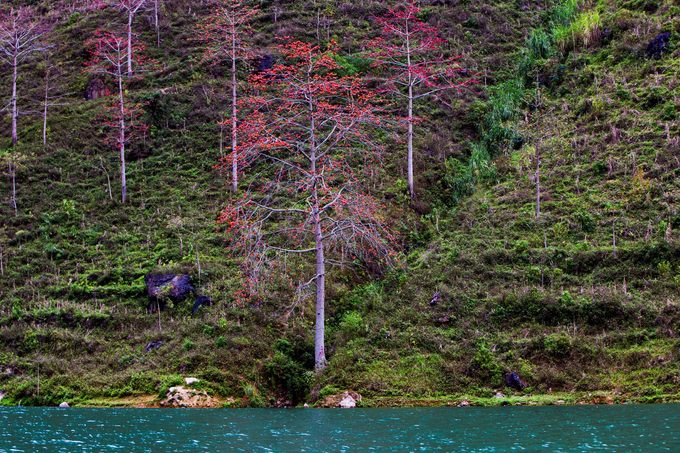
(191, 380)
(201, 301)
(160, 287)
(64, 405)
(344, 399)
(464, 403)
(96, 88)
(265, 63)
(499, 395)
(153, 345)
(181, 396)
(2, 395)
(602, 399)
(306, 406)
(435, 299)
(658, 45)
(513, 380)
(348, 403)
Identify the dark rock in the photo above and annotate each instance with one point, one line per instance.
(659, 45)
(153, 345)
(265, 63)
(436, 299)
(513, 380)
(96, 88)
(175, 287)
(201, 301)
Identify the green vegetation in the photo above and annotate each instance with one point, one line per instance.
(583, 301)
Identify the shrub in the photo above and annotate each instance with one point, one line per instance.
(557, 345)
(485, 364)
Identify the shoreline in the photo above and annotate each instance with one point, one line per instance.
(396, 402)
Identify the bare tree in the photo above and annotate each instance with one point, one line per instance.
(109, 56)
(227, 33)
(129, 7)
(51, 96)
(21, 31)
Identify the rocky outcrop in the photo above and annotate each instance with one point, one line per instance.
(345, 400)
(201, 301)
(153, 345)
(96, 88)
(64, 405)
(161, 287)
(514, 381)
(659, 45)
(181, 396)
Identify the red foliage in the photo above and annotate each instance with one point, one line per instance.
(311, 126)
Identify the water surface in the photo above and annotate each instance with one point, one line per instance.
(600, 428)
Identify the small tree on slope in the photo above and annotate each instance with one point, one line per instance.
(110, 54)
(227, 32)
(411, 53)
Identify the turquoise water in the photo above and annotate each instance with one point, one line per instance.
(601, 428)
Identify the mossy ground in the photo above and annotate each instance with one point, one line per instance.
(581, 300)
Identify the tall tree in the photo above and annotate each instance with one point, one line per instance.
(412, 54)
(227, 32)
(110, 54)
(309, 124)
(129, 7)
(21, 31)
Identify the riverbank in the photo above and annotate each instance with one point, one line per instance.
(462, 400)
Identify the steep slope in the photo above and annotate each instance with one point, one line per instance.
(550, 297)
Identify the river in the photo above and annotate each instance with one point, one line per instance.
(648, 428)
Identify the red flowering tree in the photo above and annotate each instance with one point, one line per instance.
(110, 55)
(308, 201)
(227, 32)
(412, 55)
(129, 8)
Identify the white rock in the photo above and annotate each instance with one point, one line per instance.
(64, 405)
(2, 395)
(499, 395)
(191, 380)
(305, 405)
(464, 403)
(348, 402)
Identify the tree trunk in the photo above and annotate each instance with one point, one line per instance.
(411, 182)
(121, 139)
(47, 100)
(409, 158)
(11, 166)
(538, 183)
(13, 176)
(234, 120)
(131, 16)
(15, 112)
(155, 19)
(319, 333)
(320, 325)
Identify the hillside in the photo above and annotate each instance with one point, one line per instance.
(581, 299)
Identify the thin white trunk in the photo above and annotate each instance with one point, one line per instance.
(15, 112)
(409, 157)
(121, 138)
(234, 120)
(46, 106)
(156, 25)
(538, 183)
(11, 166)
(320, 325)
(131, 16)
(13, 176)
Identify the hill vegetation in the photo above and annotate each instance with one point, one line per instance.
(543, 239)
